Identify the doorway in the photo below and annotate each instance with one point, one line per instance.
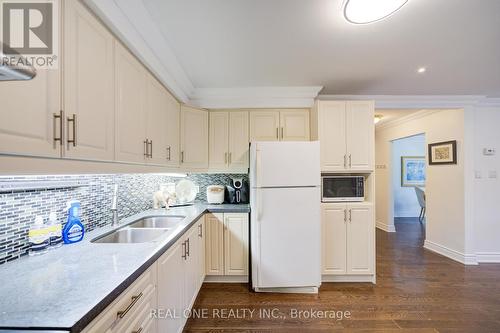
(408, 184)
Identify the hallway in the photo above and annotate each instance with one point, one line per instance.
(416, 291)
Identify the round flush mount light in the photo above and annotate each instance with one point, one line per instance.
(421, 70)
(369, 11)
(377, 118)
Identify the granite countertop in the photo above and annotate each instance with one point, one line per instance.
(67, 288)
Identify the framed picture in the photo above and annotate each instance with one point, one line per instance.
(412, 171)
(443, 153)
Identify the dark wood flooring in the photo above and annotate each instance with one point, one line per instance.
(416, 291)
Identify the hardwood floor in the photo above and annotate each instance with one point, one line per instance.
(416, 291)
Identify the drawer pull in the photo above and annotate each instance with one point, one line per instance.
(123, 313)
(138, 331)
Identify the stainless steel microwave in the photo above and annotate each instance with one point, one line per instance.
(342, 188)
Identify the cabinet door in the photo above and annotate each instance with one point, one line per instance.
(172, 130)
(219, 141)
(214, 244)
(360, 135)
(27, 122)
(201, 251)
(235, 244)
(171, 277)
(238, 141)
(130, 107)
(334, 224)
(194, 138)
(156, 120)
(332, 135)
(360, 239)
(88, 85)
(294, 125)
(264, 125)
(192, 266)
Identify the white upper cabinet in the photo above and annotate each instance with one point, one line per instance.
(172, 130)
(279, 125)
(156, 122)
(131, 77)
(219, 141)
(88, 85)
(347, 135)
(228, 143)
(294, 125)
(360, 135)
(264, 125)
(194, 138)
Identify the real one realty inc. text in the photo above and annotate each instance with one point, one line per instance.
(250, 313)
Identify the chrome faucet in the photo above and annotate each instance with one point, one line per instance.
(114, 206)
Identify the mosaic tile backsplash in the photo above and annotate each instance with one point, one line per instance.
(19, 208)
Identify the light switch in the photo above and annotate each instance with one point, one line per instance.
(492, 174)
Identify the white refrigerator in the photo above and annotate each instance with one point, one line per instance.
(285, 229)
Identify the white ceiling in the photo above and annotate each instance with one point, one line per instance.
(262, 43)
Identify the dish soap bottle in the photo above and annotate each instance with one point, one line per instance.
(38, 236)
(73, 230)
(55, 232)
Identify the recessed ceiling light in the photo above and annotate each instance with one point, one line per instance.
(369, 11)
(378, 117)
(422, 70)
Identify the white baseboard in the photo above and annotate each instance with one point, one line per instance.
(466, 259)
(226, 279)
(294, 290)
(348, 278)
(488, 257)
(386, 227)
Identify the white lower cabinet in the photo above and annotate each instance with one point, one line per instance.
(348, 239)
(226, 251)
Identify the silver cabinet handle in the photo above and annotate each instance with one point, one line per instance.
(345, 161)
(182, 157)
(184, 252)
(188, 248)
(71, 120)
(281, 133)
(225, 158)
(350, 215)
(56, 117)
(150, 148)
(345, 215)
(146, 148)
(200, 229)
(277, 133)
(123, 313)
(168, 153)
(350, 161)
(138, 331)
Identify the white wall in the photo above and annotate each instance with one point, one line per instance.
(445, 230)
(487, 190)
(405, 199)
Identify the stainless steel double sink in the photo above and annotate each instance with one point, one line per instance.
(146, 229)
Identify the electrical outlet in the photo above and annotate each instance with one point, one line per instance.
(489, 151)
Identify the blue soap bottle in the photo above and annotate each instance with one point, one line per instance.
(73, 230)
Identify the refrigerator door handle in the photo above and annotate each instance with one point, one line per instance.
(257, 168)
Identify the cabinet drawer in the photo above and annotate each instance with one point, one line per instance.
(140, 318)
(125, 305)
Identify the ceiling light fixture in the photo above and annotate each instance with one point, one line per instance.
(369, 11)
(378, 117)
(421, 70)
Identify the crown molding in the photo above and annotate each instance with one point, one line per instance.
(402, 120)
(131, 22)
(255, 97)
(413, 101)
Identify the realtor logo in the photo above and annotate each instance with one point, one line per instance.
(30, 29)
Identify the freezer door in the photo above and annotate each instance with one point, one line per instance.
(286, 228)
(285, 164)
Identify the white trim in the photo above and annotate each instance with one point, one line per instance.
(385, 227)
(255, 97)
(488, 257)
(466, 259)
(418, 101)
(226, 279)
(402, 120)
(348, 278)
(132, 23)
(288, 290)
